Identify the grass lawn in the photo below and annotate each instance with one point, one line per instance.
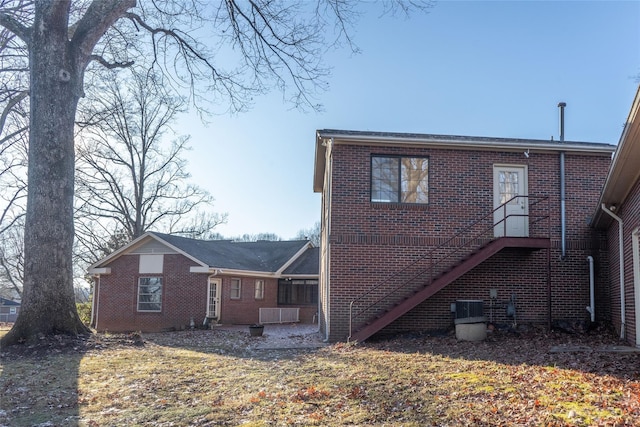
(213, 378)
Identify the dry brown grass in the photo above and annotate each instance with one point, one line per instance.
(207, 378)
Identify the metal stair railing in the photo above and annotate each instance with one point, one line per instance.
(445, 255)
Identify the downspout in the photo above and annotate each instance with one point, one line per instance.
(96, 297)
(621, 267)
(592, 299)
(563, 217)
(327, 244)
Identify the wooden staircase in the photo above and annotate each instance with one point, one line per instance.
(417, 284)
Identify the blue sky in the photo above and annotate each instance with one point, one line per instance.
(478, 68)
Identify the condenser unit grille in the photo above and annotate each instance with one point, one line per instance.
(469, 308)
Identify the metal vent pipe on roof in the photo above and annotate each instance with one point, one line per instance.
(563, 219)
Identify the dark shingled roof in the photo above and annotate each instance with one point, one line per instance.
(267, 256)
(308, 263)
(5, 301)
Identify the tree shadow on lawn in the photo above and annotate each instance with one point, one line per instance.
(590, 352)
(39, 382)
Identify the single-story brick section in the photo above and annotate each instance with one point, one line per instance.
(164, 282)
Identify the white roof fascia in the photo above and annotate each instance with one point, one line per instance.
(516, 144)
(623, 171)
(139, 241)
(249, 273)
(242, 273)
(99, 271)
(301, 276)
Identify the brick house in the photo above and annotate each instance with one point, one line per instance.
(9, 310)
(618, 214)
(163, 282)
(415, 224)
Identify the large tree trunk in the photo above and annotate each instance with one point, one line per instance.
(48, 304)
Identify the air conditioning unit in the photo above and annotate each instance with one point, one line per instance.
(470, 321)
(469, 308)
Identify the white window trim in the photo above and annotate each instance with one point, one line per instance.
(231, 289)
(161, 294)
(258, 292)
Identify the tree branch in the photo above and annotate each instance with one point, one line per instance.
(16, 27)
(110, 65)
(98, 18)
(12, 103)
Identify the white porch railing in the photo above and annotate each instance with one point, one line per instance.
(279, 315)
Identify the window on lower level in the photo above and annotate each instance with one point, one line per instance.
(297, 292)
(399, 179)
(150, 294)
(259, 289)
(236, 289)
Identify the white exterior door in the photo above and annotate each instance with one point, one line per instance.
(213, 299)
(510, 219)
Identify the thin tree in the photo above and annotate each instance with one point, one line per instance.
(275, 44)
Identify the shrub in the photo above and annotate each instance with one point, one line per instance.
(84, 311)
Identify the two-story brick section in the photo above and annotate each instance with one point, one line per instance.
(413, 223)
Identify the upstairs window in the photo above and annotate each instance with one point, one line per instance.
(399, 179)
(150, 294)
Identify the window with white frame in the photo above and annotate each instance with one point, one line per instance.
(12, 310)
(400, 179)
(236, 289)
(150, 294)
(259, 289)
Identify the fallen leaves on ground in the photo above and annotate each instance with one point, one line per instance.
(220, 377)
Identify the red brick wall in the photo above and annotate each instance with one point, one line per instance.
(246, 309)
(184, 295)
(629, 212)
(371, 241)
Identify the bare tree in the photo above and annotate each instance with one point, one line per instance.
(275, 45)
(312, 234)
(129, 177)
(12, 261)
(13, 168)
(271, 237)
